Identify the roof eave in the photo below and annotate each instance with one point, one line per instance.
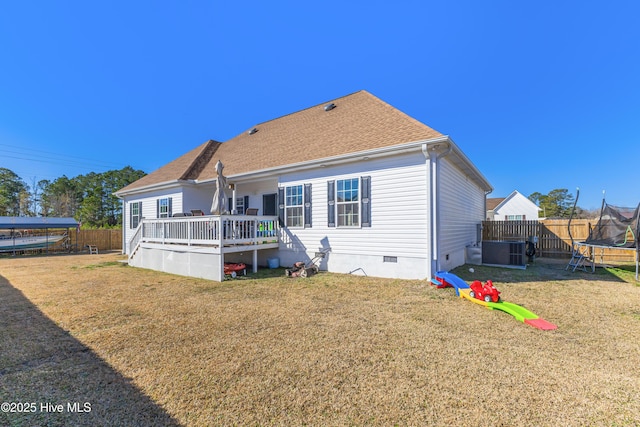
(335, 160)
(157, 186)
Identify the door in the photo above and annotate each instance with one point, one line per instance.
(269, 204)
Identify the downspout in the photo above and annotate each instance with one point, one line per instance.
(436, 197)
(429, 255)
(430, 152)
(233, 209)
(124, 228)
(486, 193)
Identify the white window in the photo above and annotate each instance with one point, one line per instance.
(135, 214)
(163, 208)
(240, 207)
(294, 207)
(515, 217)
(348, 202)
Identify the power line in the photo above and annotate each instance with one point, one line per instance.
(67, 159)
(59, 162)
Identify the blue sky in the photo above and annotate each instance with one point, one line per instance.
(539, 95)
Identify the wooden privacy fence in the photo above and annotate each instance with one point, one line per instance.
(105, 240)
(553, 237)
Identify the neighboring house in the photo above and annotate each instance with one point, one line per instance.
(380, 192)
(514, 207)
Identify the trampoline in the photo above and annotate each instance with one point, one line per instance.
(618, 228)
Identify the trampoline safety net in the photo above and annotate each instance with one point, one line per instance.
(617, 227)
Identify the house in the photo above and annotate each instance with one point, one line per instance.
(514, 207)
(381, 193)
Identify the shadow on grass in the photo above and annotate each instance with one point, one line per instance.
(544, 270)
(47, 377)
(263, 273)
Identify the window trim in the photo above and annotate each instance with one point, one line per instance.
(518, 217)
(306, 210)
(300, 206)
(168, 207)
(240, 207)
(357, 203)
(364, 203)
(137, 217)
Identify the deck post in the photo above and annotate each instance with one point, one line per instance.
(220, 223)
(255, 261)
(221, 267)
(254, 237)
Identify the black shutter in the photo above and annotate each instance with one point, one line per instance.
(170, 208)
(307, 206)
(230, 204)
(158, 208)
(366, 201)
(246, 204)
(331, 203)
(281, 206)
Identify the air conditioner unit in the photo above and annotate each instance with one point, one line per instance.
(503, 253)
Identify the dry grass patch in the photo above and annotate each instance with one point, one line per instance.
(327, 350)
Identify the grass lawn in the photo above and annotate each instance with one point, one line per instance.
(108, 344)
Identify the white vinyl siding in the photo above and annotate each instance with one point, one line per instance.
(385, 230)
(460, 210)
(195, 198)
(516, 207)
(398, 187)
(149, 210)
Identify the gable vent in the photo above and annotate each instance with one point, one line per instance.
(329, 107)
(252, 131)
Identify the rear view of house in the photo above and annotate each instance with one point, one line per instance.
(380, 192)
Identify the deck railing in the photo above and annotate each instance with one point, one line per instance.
(213, 230)
(135, 240)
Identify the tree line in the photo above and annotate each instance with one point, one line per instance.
(90, 200)
(87, 198)
(559, 203)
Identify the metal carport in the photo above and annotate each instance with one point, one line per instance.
(18, 224)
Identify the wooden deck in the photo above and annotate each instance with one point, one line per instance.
(222, 233)
(196, 246)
